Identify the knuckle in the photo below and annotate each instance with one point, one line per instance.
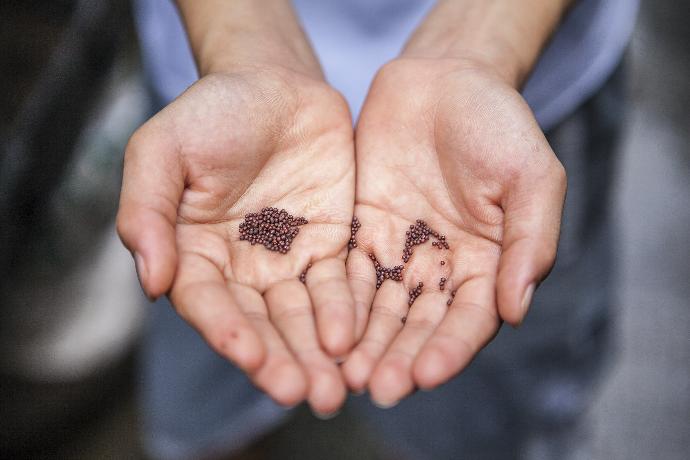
(122, 226)
(480, 311)
(292, 313)
(126, 226)
(448, 344)
(325, 282)
(256, 316)
(385, 311)
(373, 347)
(136, 143)
(421, 324)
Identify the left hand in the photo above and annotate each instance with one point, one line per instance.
(450, 142)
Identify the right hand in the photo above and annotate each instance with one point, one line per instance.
(235, 143)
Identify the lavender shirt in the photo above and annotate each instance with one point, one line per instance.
(353, 38)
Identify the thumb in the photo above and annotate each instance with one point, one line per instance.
(533, 209)
(152, 185)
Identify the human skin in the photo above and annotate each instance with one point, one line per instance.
(445, 136)
(260, 128)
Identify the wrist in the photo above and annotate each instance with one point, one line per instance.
(504, 36)
(226, 36)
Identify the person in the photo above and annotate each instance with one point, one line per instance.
(445, 135)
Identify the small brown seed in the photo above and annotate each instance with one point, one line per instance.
(385, 273)
(414, 293)
(303, 275)
(354, 227)
(274, 228)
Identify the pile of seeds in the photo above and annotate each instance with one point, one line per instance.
(419, 233)
(385, 273)
(414, 293)
(272, 227)
(452, 296)
(303, 275)
(354, 226)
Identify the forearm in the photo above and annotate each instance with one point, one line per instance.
(506, 35)
(232, 34)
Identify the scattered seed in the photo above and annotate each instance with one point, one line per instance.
(385, 273)
(443, 262)
(442, 284)
(354, 226)
(414, 293)
(452, 296)
(303, 275)
(403, 319)
(272, 227)
(419, 233)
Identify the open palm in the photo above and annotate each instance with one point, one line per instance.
(451, 144)
(230, 145)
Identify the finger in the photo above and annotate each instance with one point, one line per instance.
(385, 322)
(152, 185)
(392, 377)
(280, 375)
(532, 226)
(200, 296)
(290, 311)
(333, 305)
(362, 278)
(470, 323)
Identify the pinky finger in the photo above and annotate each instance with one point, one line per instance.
(201, 297)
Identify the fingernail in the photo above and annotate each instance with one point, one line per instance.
(141, 268)
(385, 405)
(526, 301)
(325, 416)
(142, 273)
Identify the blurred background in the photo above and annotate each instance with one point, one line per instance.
(72, 312)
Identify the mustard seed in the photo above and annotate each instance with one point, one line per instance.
(442, 284)
(452, 296)
(385, 273)
(354, 227)
(274, 228)
(414, 293)
(303, 275)
(419, 233)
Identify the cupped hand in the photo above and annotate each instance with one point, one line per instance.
(448, 142)
(230, 145)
